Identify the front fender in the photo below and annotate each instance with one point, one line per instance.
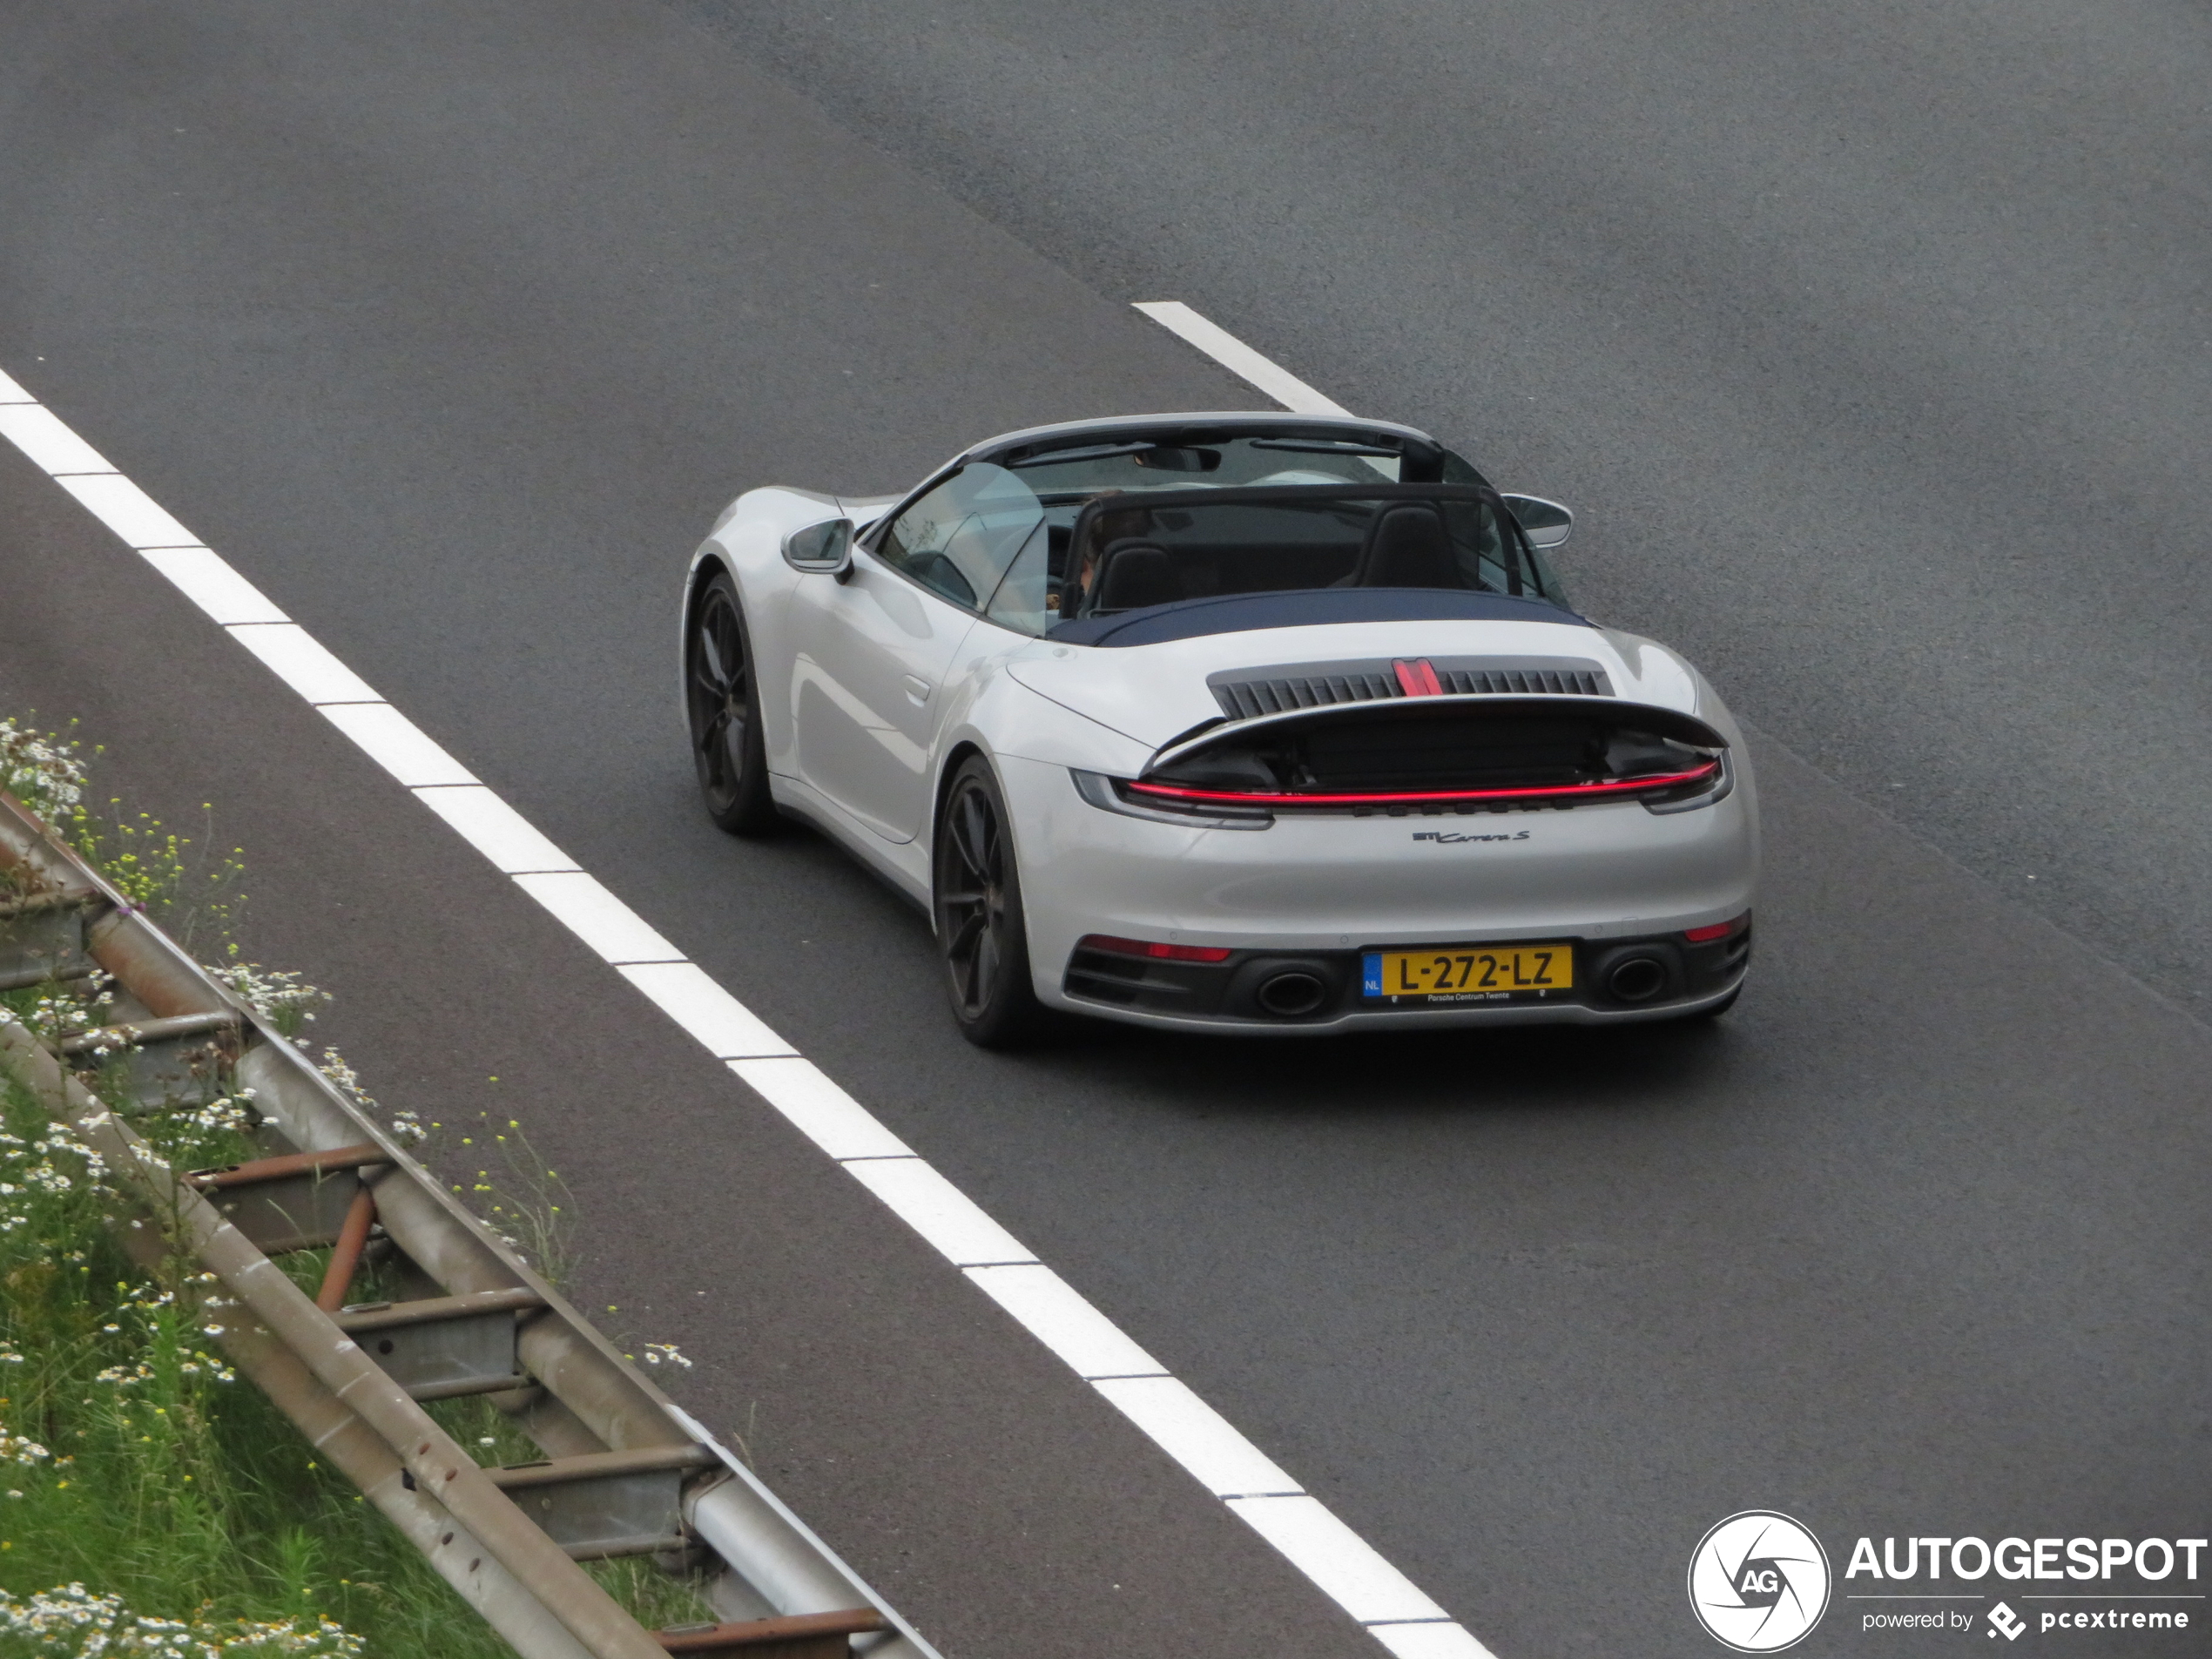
(746, 543)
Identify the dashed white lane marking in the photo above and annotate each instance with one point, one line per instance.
(1338, 1561)
(1239, 359)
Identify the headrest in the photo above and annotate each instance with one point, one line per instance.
(1407, 547)
(1132, 575)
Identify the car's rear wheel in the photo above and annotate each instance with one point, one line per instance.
(977, 899)
(726, 743)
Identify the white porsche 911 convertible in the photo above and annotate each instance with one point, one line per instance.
(1235, 723)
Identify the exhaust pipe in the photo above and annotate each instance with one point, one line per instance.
(1637, 978)
(1288, 995)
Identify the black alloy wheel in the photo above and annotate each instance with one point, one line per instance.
(978, 903)
(726, 744)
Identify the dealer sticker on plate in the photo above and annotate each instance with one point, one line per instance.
(1468, 973)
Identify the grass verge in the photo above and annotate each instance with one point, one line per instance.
(152, 1501)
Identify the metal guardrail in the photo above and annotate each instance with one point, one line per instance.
(624, 1470)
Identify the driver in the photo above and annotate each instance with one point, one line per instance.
(1117, 524)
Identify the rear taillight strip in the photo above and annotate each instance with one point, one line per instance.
(1410, 797)
(1149, 947)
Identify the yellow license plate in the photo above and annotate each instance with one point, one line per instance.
(1469, 973)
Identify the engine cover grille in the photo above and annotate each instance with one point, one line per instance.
(1247, 692)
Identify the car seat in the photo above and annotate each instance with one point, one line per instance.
(1132, 575)
(1408, 547)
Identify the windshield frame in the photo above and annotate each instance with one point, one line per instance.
(1426, 470)
(1542, 587)
(1423, 457)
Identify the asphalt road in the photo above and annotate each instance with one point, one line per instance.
(1872, 342)
(1869, 346)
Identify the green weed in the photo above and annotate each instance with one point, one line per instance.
(132, 1459)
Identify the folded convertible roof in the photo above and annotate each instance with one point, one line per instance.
(1235, 613)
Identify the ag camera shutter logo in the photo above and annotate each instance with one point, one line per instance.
(1759, 1582)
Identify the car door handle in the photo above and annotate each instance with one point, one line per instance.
(917, 689)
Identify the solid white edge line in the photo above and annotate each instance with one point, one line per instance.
(920, 1196)
(1335, 1559)
(723, 1026)
(396, 744)
(206, 577)
(580, 903)
(821, 1110)
(1056, 1314)
(1204, 1442)
(128, 511)
(1430, 1639)
(515, 846)
(1239, 359)
(302, 662)
(40, 433)
(1343, 1563)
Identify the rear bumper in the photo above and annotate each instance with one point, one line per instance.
(1229, 996)
(1323, 890)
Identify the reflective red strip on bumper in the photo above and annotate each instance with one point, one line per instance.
(1413, 798)
(1152, 949)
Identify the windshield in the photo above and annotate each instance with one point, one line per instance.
(958, 539)
(1128, 551)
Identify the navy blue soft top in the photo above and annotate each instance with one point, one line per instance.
(1237, 613)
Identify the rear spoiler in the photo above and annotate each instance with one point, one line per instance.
(1642, 717)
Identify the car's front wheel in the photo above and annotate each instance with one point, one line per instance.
(977, 899)
(726, 743)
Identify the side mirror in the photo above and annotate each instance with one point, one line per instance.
(1546, 524)
(824, 550)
